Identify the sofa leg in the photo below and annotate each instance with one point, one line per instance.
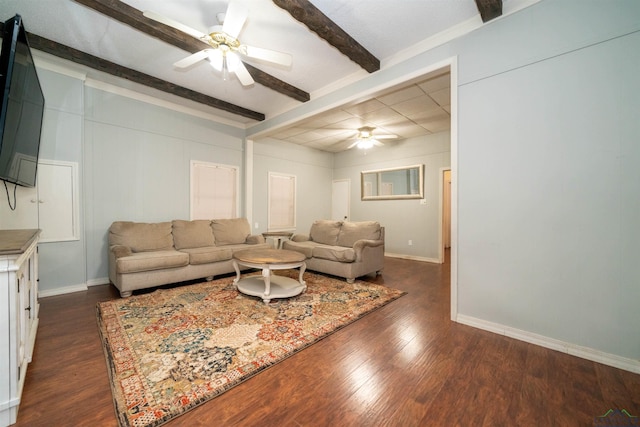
(350, 280)
(379, 273)
(126, 294)
(208, 278)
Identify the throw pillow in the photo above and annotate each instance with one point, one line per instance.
(230, 231)
(192, 234)
(351, 232)
(325, 231)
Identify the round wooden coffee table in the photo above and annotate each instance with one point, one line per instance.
(268, 286)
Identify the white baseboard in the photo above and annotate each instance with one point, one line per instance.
(412, 257)
(61, 291)
(594, 355)
(98, 281)
(74, 288)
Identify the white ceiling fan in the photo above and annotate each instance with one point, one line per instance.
(226, 50)
(366, 139)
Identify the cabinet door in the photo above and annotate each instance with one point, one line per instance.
(57, 201)
(52, 206)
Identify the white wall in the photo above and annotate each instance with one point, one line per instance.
(548, 175)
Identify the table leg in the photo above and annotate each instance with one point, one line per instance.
(303, 267)
(266, 273)
(235, 281)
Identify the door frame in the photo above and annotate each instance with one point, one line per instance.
(441, 249)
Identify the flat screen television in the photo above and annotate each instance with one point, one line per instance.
(22, 107)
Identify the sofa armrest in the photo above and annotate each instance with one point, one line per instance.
(300, 238)
(119, 251)
(360, 245)
(255, 239)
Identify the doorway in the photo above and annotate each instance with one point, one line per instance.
(340, 193)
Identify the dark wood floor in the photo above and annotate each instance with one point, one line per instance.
(405, 364)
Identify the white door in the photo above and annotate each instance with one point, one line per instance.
(340, 193)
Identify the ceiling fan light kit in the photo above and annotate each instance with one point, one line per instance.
(366, 139)
(226, 50)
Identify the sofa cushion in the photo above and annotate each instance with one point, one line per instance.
(192, 234)
(208, 254)
(351, 232)
(155, 260)
(140, 236)
(325, 231)
(230, 231)
(334, 253)
(305, 247)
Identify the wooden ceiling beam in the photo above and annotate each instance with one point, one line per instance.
(489, 9)
(319, 23)
(79, 57)
(133, 17)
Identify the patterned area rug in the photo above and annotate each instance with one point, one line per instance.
(173, 349)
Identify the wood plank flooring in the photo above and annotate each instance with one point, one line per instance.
(405, 364)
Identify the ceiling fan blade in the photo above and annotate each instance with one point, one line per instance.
(234, 19)
(192, 59)
(385, 136)
(243, 75)
(175, 24)
(353, 145)
(267, 55)
(377, 143)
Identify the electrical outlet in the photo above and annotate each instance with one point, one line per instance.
(256, 225)
(410, 242)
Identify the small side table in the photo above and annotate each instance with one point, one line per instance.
(278, 237)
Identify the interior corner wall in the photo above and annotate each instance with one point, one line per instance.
(548, 183)
(403, 220)
(313, 170)
(137, 164)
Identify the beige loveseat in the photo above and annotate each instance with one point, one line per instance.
(143, 255)
(344, 249)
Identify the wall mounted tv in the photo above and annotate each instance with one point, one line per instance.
(22, 107)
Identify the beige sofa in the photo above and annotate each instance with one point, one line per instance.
(344, 249)
(143, 255)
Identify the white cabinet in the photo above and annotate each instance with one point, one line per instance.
(51, 206)
(19, 313)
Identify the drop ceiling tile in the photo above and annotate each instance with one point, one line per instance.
(437, 125)
(436, 84)
(407, 130)
(429, 115)
(442, 97)
(351, 124)
(415, 105)
(384, 116)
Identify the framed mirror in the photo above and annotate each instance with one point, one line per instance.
(393, 183)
